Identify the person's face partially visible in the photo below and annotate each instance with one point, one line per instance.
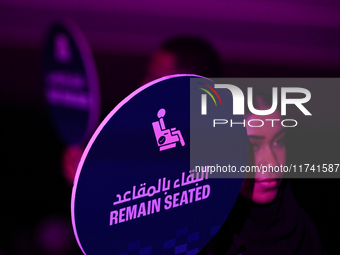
(267, 148)
(162, 63)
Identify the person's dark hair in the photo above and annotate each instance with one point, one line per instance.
(194, 55)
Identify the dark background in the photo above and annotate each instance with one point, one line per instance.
(297, 39)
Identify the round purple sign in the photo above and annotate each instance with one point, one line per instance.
(70, 83)
(135, 190)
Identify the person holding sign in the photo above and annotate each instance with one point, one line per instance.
(266, 218)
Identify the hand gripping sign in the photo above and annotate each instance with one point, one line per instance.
(136, 190)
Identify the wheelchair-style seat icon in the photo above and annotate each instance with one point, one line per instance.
(166, 138)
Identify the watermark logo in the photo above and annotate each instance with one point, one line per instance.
(238, 99)
(204, 98)
(166, 138)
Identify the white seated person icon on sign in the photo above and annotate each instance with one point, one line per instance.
(166, 138)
